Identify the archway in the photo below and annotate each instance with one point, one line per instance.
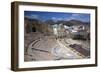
(33, 29)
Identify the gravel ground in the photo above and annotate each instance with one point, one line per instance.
(42, 48)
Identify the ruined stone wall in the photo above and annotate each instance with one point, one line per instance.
(39, 26)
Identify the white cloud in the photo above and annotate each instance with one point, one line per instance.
(55, 18)
(74, 16)
(33, 16)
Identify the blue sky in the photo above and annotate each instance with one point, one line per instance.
(57, 16)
